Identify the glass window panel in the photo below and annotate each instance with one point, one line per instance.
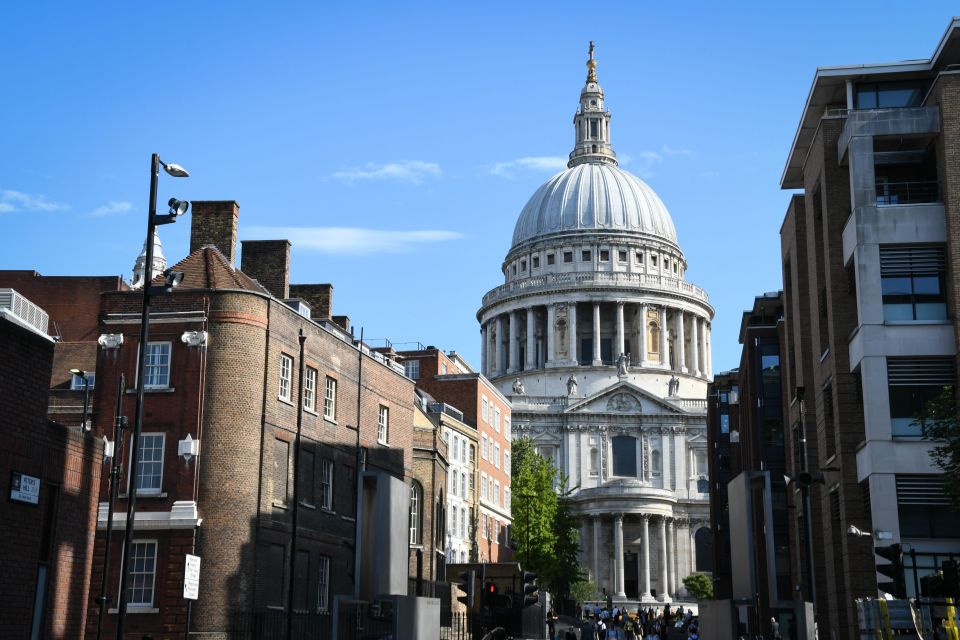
(929, 285)
(897, 312)
(867, 97)
(931, 311)
(724, 423)
(895, 286)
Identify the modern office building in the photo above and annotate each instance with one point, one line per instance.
(870, 260)
(603, 348)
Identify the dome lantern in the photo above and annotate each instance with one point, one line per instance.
(592, 123)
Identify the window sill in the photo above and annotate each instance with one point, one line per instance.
(900, 323)
(332, 421)
(307, 505)
(311, 412)
(136, 610)
(143, 494)
(151, 390)
(276, 504)
(329, 511)
(284, 401)
(383, 443)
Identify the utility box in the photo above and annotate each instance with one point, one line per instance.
(382, 553)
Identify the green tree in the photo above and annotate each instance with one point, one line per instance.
(699, 585)
(940, 423)
(533, 504)
(546, 532)
(584, 590)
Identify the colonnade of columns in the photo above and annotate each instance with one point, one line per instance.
(648, 331)
(671, 568)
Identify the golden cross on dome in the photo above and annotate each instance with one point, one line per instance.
(591, 66)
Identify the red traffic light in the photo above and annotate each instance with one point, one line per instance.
(491, 588)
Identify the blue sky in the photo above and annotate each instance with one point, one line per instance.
(395, 143)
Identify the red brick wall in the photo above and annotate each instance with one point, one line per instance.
(69, 465)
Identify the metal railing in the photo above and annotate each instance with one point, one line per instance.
(552, 280)
(271, 624)
(907, 192)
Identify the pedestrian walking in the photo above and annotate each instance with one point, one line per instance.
(775, 630)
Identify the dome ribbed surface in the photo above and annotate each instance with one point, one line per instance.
(594, 197)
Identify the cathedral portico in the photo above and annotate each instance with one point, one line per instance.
(602, 346)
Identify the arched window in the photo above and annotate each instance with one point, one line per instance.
(416, 513)
(625, 456)
(703, 542)
(655, 463)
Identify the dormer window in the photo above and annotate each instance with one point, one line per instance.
(622, 255)
(594, 129)
(653, 261)
(514, 269)
(585, 256)
(639, 257)
(604, 255)
(550, 259)
(523, 265)
(536, 262)
(568, 256)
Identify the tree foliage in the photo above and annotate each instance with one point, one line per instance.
(940, 423)
(699, 585)
(546, 535)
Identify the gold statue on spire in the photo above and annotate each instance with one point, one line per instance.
(591, 66)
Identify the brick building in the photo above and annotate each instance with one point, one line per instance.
(482, 466)
(870, 255)
(46, 535)
(223, 366)
(749, 507)
(428, 490)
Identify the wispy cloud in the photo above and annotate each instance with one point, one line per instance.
(11, 201)
(353, 240)
(412, 171)
(672, 151)
(114, 207)
(510, 168)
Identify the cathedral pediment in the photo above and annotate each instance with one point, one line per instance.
(623, 397)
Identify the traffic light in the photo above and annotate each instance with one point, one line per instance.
(890, 573)
(466, 584)
(530, 591)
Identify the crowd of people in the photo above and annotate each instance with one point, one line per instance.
(617, 623)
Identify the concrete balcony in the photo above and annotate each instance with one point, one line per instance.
(561, 281)
(907, 121)
(894, 224)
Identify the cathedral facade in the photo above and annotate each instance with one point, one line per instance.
(603, 348)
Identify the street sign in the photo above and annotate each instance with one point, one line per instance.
(191, 577)
(24, 488)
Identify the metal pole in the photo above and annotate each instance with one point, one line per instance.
(296, 492)
(138, 416)
(805, 497)
(357, 480)
(86, 399)
(105, 598)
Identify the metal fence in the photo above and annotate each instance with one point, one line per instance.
(459, 626)
(272, 624)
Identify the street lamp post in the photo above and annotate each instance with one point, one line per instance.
(120, 423)
(177, 208)
(80, 373)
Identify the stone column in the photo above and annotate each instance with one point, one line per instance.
(681, 348)
(572, 331)
(664, 353)
(596, 335)
(665, 458)
(483, 349)
(531, 362)
(551, 345)
(514, 344)
(596, 548)
(693, 549)
(705, 341)
(621, 343)
(663, 559)
(694, 346)
(501, 345)
(642, 334)
(618, 553)
(671, 560)
(645, 552)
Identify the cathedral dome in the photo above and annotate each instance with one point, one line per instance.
(594, 196)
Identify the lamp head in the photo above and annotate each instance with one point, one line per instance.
(178, 207)
(175, 170)
(78, 372)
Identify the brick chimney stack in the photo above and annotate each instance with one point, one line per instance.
(318, 296)
(215, 222)
(268, 262)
